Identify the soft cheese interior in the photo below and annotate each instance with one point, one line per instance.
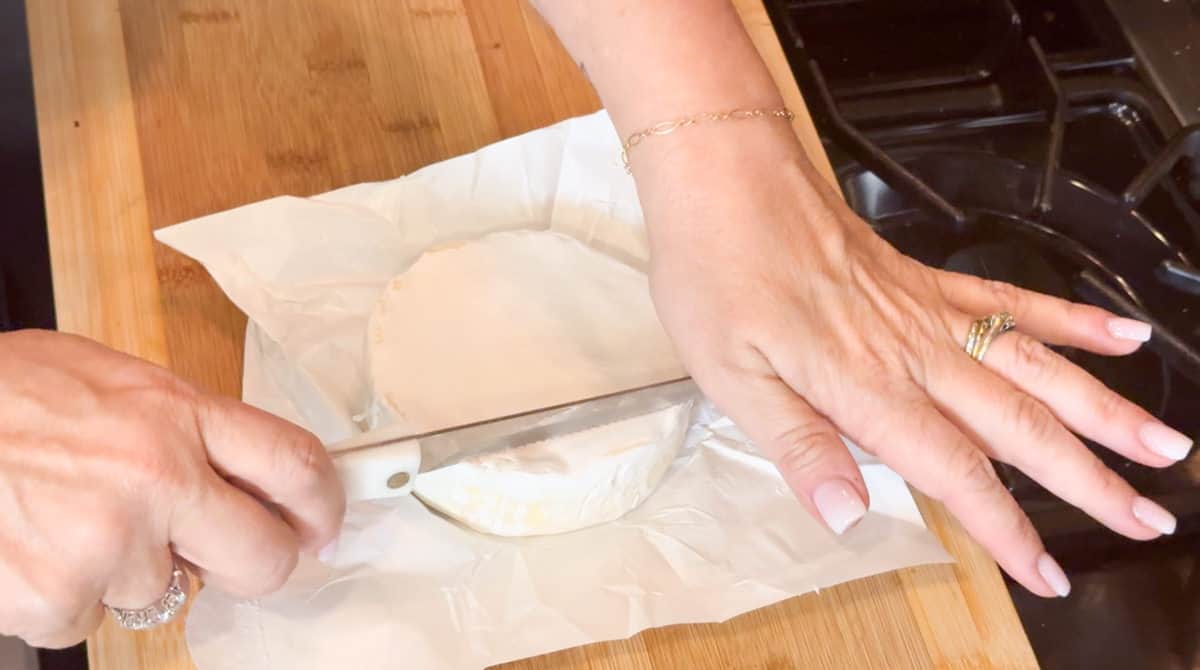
(516, 321)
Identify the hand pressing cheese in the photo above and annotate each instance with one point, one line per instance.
(516, 321)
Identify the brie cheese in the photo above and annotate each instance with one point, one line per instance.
(516, 321)
(563, 484)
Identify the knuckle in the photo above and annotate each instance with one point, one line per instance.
(877, 434)
(1077, 314)
(144, 385)
(892, 410)
(800, 448)
(750, 336)
(147, 432)
(913, 339)
(172, 397)
(166, 396)
(160, 378)
(884, 378)
(977, 472)
(273, 573)
(921, 350)
(1007, 296)
(971, 476)
(82, 619)
(302, 461)
(874, 370)
(1109, 405)
(1032, 419)
(747, 325)
(1106, 483)
(105, 532)
(1034, 361)
(1018, 529)
(148, 463)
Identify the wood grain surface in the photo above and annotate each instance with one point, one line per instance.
(152, 112)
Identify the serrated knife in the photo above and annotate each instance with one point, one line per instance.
(377, 465)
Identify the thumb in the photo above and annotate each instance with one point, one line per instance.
(802, 444)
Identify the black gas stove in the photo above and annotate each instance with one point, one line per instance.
(1045, 144)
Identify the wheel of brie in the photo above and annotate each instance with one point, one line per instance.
(516, 321)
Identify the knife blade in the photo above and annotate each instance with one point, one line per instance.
(383, 466)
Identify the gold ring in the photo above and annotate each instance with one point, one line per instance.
(984, 330)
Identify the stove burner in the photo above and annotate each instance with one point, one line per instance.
(1011, 262)
(992, 197)
(974, 189)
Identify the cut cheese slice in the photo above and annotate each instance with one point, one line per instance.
(517, 321)
(560, 485)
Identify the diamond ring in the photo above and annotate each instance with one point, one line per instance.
(163, 610)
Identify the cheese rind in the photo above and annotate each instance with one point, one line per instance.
(512, 322)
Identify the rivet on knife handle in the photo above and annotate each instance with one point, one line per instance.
(381, 472)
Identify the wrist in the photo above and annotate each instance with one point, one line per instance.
(712, 149)
(708, 167)
(735, 181)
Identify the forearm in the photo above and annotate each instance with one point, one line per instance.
(658, 60)
(652, 60)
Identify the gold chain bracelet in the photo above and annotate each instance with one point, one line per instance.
(667, 127)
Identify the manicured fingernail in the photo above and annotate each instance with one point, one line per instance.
(839, 504)
(328, 552)
(1129, 329)
(1165, 441)
(1055, 578)
(1153, 516)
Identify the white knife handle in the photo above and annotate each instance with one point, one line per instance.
(386, 471)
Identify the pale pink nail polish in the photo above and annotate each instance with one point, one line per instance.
(1153, 516)
(1129, 329)
(1055, 578)
(839, 504)
(1165, 441)
(328, 552)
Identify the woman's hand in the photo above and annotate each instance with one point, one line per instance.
(800, 322)
(108, 465)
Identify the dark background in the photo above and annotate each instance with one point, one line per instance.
(25, 291)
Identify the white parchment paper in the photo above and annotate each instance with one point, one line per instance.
(410, 589)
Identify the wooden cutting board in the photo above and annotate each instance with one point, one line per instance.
(152, 112)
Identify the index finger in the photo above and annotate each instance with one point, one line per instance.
(278, 463)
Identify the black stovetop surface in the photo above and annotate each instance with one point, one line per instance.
(957, 96)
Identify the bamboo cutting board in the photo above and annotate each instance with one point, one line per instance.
(152, 112)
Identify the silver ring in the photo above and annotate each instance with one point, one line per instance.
(984, 330)
(165, 609)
